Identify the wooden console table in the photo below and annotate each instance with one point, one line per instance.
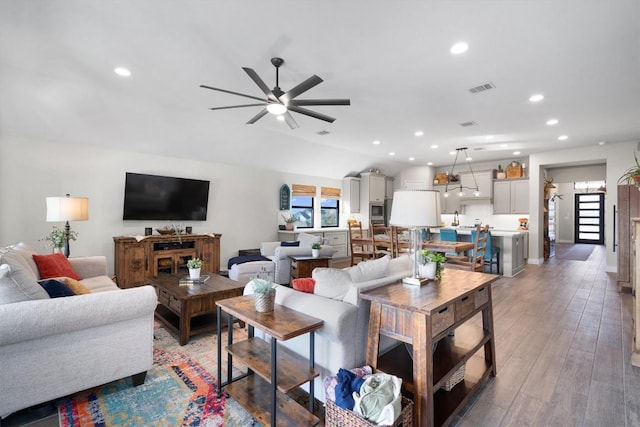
(137, 261)
(273, 370)
(428, 314)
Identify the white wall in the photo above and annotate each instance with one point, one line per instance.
(243, 202)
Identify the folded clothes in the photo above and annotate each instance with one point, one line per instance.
(331, 382)
(379, 399)
(348, 383)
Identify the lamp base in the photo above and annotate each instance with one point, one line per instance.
(415, 281)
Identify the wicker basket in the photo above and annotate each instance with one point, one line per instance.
(339, 417)
(454, 379)
(265, 302)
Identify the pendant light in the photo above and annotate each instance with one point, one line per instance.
(460, 187)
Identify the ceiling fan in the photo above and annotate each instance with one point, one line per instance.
(282, 103)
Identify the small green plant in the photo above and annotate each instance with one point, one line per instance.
(630, 174)
(194, 263)
(427, 256)
(262, 286)
(290, 219)
(316, 246)
(57, 237)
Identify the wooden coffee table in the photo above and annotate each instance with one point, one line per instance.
(191, 310)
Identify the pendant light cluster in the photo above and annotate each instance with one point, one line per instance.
(460, 187)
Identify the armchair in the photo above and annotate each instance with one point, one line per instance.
(280, 255)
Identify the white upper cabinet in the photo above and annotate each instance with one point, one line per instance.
(485, 186)
(372, 188)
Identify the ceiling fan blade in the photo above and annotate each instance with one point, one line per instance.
(257, 117)
(301, 88)
(298, 102)
(290, 121)
(311, 114)
(232, 93)
(261, 84)
(237, 106)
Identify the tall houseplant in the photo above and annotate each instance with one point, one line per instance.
(631, 175)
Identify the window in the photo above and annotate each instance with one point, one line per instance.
(329, 212)
(302, 209)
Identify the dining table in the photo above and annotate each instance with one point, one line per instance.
(447, 246)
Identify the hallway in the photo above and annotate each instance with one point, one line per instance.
(563, 341)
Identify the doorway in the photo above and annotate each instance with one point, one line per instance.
(589, 218)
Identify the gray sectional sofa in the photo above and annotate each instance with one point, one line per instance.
(53, 347)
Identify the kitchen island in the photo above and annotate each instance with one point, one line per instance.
(513, 244)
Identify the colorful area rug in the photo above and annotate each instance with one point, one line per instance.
(180, 390)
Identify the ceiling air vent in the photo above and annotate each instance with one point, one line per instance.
(323, 132)
(467, 124)
(482, 88)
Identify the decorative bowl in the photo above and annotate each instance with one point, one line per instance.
(168, 231)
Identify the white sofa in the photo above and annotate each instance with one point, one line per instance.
(53, 347)
(342, 340)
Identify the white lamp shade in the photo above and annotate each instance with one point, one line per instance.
(67, 209)
(419, 208)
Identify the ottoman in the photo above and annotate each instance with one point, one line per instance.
(246, 271)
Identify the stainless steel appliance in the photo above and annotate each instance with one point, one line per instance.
(376, 212)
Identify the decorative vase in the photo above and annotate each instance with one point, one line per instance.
(428, 270)
(289, 226)
(315, 253)
(194, 273)
(57, 250)
(265, 301)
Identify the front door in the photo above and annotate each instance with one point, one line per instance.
(589, 221)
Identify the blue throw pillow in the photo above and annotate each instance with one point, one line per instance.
(56, 289)
(295, 243)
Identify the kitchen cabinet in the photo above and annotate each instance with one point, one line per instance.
(451, 203)
(511, 196)
(372, 188)
(351, 194)
(388, 194)
(485, 187)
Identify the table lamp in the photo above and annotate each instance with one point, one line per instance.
(67, 209)
(415, 210)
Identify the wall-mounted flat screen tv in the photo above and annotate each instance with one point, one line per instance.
(153, 197)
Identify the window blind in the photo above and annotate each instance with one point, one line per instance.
(303, 190)
(330, 193)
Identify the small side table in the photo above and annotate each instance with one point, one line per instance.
(302, 266)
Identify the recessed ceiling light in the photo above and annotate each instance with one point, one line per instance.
(452, 153)
(516, 153)
(504, 145)
(392, 153)
(563, 137)
(488, 137)
(434, 146)
(419, 133)
(458, 48)
(411, 159)
(468, 159)
(552, 122)
(121, 71)
(376, 142)
(429, 163)
(602, 142)
(536, 98)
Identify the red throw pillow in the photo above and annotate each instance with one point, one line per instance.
(304, 284)
(55, 265)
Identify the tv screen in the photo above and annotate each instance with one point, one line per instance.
(152, 197)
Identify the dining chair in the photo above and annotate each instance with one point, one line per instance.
(382, 240)
(475, 260)
(449, 235)
(361, 245)
(401, 242)
(492, 253)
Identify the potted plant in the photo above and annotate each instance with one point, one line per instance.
(501, 174)
(315, 250)
(57, 238)
(264, 295)
(631, 175)
(289, 221)
(431, 264)
(194, 265)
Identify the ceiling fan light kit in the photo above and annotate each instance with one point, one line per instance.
(282, 103)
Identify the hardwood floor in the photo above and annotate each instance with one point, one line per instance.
(563, 344)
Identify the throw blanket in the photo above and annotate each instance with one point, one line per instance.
(379, 399)
(245, 258)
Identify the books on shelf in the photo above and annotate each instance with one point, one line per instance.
(186, 281)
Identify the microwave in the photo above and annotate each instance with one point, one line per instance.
(376, 211)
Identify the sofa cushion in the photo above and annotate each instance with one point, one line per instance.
(26, 252)
(54, 265)
(76, 286)
(306, 239)
(56, 288)
(331, 282)
(304, 284)
(17, 282)
(369, 270)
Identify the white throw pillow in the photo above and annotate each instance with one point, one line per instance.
(370, 270)
(331, 282)
(308, 239)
